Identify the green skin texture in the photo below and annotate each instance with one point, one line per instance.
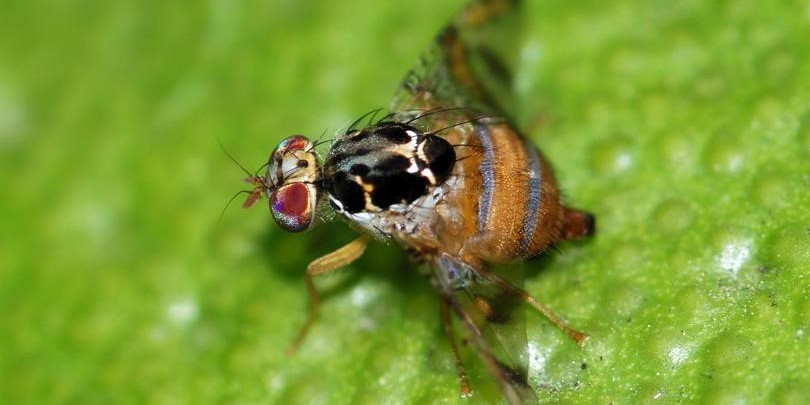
(684, 128)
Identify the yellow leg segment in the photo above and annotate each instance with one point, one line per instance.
(326, 264)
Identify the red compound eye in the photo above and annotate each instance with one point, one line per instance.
(293, 206)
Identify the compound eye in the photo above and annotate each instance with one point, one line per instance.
(293, 206)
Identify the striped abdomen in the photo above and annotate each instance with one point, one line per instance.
(507, 205)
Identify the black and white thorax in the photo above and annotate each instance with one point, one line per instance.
(387, 178)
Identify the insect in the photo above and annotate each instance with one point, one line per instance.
(446, 176)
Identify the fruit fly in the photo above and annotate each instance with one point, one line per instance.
(446, 176)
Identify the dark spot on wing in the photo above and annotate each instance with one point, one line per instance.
(501, 307)
(497, 317)
(515, 376)
(495, 66)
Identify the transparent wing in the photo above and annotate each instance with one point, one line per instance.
(469, 64)
(504, 315)
(492, 323)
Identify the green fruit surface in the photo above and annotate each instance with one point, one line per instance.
(684, 126)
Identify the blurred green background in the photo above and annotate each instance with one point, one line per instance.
(685, 127)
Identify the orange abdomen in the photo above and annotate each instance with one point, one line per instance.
(508, 204)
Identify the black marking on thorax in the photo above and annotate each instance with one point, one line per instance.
(385, 164)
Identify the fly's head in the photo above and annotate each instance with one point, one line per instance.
(290, 183)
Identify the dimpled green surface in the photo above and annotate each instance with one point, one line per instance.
(684, 127)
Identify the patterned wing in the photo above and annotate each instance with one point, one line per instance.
(468, 67)
(469, 64)
(491, 320)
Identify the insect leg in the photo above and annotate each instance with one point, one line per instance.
(325, 264)
(447, 324)
(578, 336)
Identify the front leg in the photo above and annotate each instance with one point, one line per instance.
(326, 264)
